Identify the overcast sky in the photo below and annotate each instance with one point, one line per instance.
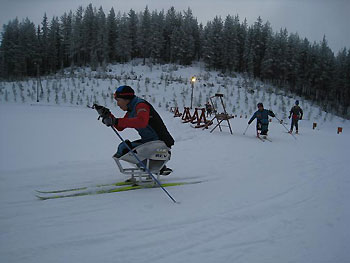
(310, 18)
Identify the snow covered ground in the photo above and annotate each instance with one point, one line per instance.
(280, 201)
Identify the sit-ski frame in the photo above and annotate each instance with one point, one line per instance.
(158, 154)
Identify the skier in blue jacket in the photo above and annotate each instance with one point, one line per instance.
(262, 119)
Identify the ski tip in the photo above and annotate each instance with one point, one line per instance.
(41, 197)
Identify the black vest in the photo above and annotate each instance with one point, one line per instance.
(156, 123)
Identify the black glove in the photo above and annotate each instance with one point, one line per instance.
(110, 121)
(289, 117)
(249, 122)
(301, 117)
(102, 111)
(272, 114)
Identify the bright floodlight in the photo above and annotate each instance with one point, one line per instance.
(193, 79)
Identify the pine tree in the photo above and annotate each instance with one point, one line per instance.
(187, 43)
(213, 47)
(101, 42)
(10, 49)
(230, 44)
(54, 45)
(157, 39)
(77, 40)
(241, 38)
(123, 42)
(133, 23)
(144, 41)
(89, 27)
(111, 36)
(67, 34)
(171, 22)
(43, 40)
(27, 48)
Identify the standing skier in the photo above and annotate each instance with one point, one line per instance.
(262, 119)
(297, 114)
(208, 108)
(141, 116)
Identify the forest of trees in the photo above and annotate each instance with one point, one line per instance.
(89, 37)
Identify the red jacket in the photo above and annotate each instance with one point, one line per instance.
(140, 121)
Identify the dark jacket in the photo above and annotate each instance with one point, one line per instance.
(262, 116)
(296, 112)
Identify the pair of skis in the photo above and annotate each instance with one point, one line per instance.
(263, 138)
(102, 189)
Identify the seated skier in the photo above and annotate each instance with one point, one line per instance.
(141, 116)
(262, 119)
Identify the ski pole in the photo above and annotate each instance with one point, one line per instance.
(246, 130)
(285, 127)
(143, 165)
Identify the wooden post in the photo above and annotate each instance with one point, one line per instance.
(340, 130)
(177, 113)
(186, 116)
(314, 125)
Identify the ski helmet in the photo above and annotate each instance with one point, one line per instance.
(296, 102)
(124, 92)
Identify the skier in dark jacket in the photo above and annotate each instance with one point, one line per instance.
(262, 119)
(208, 108)
(141, 116)
(297, 114)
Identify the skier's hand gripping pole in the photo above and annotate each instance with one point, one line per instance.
(139, 161)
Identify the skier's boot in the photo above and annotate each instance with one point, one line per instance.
(165, 171)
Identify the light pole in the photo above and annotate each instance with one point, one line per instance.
(37, 63)
(193, 80)
(37, 83)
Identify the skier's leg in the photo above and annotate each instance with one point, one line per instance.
(296, 126)
(258, 128)
(123, 149)
(264, 129)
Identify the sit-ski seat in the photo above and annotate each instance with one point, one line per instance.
(154, 155)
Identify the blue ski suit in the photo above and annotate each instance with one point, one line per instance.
(262, 117)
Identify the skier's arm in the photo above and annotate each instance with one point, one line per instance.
(117, 124)
(252, 118)
(301, 113)
(271, 113)
(140, 121)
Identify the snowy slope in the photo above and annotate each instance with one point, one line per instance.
(280, 201)
(164, 86)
